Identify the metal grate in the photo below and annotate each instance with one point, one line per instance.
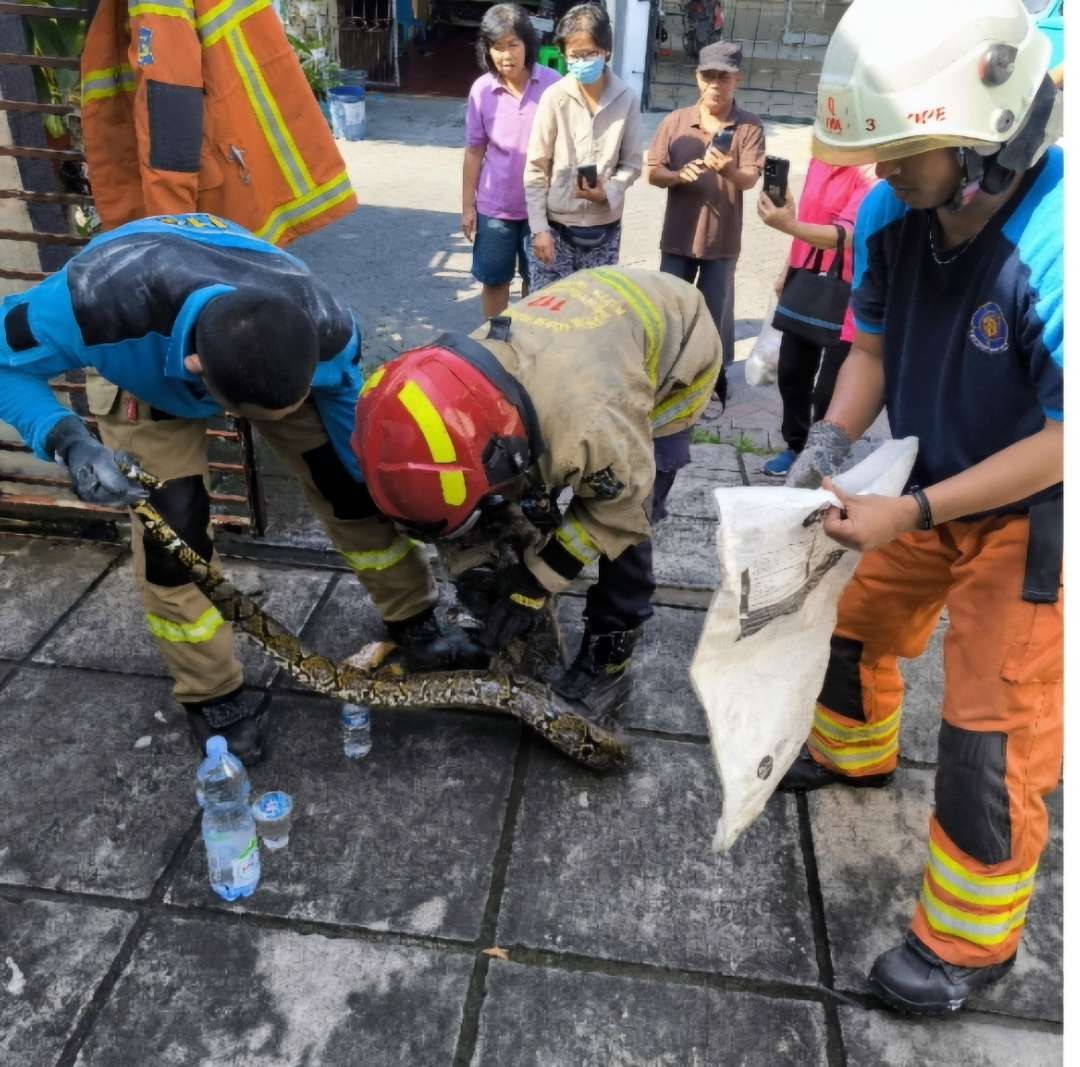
(50, 180)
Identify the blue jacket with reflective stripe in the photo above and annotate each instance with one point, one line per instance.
(127, 305)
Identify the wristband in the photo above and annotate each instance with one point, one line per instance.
(926, 516)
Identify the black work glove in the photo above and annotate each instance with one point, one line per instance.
(517, 605)
(827, 446)
(94, 474)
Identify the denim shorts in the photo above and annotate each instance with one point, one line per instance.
(498, 246)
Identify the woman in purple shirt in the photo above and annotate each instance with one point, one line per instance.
(498, 121)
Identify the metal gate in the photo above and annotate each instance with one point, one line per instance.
(368, 39)
(783, 43)
(42, 186)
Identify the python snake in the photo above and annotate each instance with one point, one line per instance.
(526, 699)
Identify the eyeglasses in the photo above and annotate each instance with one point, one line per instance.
(579, 56)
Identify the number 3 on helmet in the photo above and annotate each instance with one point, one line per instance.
(433, 437)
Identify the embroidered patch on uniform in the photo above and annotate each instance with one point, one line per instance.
(146, 52)
(604, 484)
(989, 330)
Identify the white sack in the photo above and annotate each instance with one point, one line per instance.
(765, 355)
(762, 655)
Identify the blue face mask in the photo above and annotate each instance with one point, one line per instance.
(586, 71)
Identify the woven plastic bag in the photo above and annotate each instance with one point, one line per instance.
(765, 355)
(764, 648)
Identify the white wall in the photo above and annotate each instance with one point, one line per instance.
(630, 20)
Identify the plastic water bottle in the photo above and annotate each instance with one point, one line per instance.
(232, 849)
(356, 730)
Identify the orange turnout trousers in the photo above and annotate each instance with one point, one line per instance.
(1000, 745)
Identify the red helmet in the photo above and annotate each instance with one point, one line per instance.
(433, 437)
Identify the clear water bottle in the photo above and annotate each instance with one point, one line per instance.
(356, 730)
(232, 849)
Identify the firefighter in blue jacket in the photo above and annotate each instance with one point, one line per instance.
(185, 316)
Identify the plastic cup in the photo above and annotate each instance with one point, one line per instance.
(273, 818)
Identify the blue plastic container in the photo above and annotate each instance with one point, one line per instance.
(347, 117)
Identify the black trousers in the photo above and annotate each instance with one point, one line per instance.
(621, 598)
(800, 363)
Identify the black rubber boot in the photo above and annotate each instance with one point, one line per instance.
(598, 681)
(234, 719)
(427, 645)
(914, 979)
(806, 774)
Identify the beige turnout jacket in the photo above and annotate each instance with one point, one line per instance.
(611, 358)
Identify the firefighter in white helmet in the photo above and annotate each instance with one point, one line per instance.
(958, 307)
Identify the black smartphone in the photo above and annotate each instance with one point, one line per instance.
(776, 175)
(722, 139)
(586, 175)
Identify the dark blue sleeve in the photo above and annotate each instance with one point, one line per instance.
(1037, 230)
(869, 286)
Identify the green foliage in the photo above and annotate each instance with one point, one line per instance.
(742, 444)
(322, 73)
(56, 37)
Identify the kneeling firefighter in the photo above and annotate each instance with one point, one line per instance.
(959, 313)
(567, 390)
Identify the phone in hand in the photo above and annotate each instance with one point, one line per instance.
(721, 141)
(586, 175)
(776, 179)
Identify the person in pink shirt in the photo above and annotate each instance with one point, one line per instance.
(830, 198)
(498, 121)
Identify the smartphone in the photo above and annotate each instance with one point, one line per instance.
(586, 175)
(721, 141)
(776, 175)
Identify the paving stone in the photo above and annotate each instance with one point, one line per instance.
(538, 1016)
(201, 993)
(403, 840)
(114, 608)
(346, 622)
(289, 520)
(684, 553)
(662, 698)
(620, 866)
(39, 581)
(5, 670)
(711, 467)
(880, 1039)
(871, 845)
(98, 790)
(925, 681)
(54, 955)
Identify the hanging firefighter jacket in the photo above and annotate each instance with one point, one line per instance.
(197, 105)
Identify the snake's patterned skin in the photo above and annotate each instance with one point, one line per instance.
(524, 698)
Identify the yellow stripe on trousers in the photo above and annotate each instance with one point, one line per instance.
(986, 930)
(379, 559)
(186, 633)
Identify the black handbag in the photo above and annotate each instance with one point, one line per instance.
(813, 303)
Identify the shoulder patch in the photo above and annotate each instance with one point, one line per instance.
(989, 330)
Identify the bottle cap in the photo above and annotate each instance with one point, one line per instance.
(273, 805)
(216, 745)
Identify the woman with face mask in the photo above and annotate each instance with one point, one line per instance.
(584, 152)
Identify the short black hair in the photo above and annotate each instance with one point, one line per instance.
(497, 22)
(585, 18)
(257, 348)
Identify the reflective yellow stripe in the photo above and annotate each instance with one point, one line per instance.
(855, 759)
(305, 207)
(646, 312)
(986, 890)
(380, 559)
(373, 381)
(440, 446)
(186, 633)
(534, 603)
(576, 540)
(825, 724)
(223, 17)
(979, 929)
(111, 81)
(177, 9)
(685, 403)
(268, 115)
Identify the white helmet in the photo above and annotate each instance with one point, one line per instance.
(902, 77)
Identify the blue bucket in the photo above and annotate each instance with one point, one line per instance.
(347, 117)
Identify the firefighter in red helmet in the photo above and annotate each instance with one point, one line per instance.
(568, 389)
